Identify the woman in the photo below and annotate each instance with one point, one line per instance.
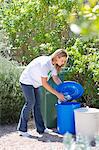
(36, 74)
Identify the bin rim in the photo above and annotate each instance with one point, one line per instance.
(67, 103)
(85, 110)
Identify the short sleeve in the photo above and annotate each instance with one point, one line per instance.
(54, 72)
(44, 71)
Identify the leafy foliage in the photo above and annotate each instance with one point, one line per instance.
(4, 45)
(11, 99)
(84, 68)
(88, 18)
(30, 24)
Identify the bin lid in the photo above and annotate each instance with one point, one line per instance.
(72, 88)
(87, 110)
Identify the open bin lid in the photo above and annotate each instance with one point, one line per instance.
(72, 88)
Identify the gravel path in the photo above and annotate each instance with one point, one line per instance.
(10, 140)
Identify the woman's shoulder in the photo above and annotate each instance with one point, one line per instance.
(42, 59)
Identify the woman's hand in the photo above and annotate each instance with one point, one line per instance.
(60, 96)
(46, 85)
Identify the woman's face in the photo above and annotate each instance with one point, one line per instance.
(60, 61)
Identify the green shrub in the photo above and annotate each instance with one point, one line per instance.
(4, 45)
(32, 25)
(84, 68)
(11, 99)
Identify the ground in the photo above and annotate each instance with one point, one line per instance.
(10, 140)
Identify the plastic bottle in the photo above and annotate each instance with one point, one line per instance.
(67, 98)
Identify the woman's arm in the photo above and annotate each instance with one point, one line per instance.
(56, 79)
(50, 89)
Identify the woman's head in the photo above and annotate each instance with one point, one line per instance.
(59, 58)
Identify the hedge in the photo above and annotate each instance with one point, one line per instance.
(11, 98)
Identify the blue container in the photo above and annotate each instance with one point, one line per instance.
(65, 117)
(72, 88)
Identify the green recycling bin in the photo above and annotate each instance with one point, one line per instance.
(48, 102)
(48, 110)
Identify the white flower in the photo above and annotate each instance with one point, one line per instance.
(95, 8)
(75, 28)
